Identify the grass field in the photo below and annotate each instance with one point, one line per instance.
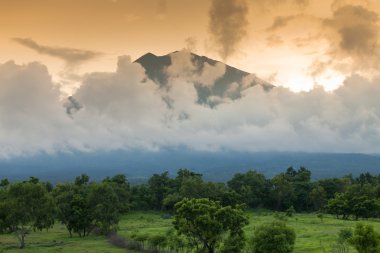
(311, 232)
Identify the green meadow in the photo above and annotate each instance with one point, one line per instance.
(312, 233)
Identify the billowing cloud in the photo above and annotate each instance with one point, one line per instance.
(32, 118)
(228, 24)
(125, 110)
(71, 56)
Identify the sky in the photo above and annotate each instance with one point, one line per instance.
(322, 56)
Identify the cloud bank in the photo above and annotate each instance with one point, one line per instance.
(125, 110)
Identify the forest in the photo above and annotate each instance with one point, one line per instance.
(200, 216)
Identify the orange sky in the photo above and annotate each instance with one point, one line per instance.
(304, 34)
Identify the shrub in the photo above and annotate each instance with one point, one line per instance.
(273, 237)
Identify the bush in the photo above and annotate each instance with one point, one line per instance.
(365, 239)
(273, 237)
(290, 211)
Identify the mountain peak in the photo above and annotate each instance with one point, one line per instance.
(155, 69)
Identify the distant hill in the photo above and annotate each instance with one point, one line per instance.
(155, 67)
(216, 166)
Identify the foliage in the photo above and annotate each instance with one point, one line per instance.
(290, 211)
(252, 186)
(105, 207)
(26, 206)
(206, 221)
(365, 239)
(273, 237)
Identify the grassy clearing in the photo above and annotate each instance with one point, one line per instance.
(57, 240)
(309, 229)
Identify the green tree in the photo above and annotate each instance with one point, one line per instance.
(365, 239)
(206, 222)
(273, 237)
(73, 209)
(283, 192)
(83, 179)
(30, 207)
(4, 182)
(318, 197)
(105, 207)
(333, 186)
(159, 186)
(120, 185)
(252, 186)
(300, 180)
(339, 206)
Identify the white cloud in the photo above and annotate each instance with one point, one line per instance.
(124, 110)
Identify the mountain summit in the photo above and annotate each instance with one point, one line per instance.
(230, 84)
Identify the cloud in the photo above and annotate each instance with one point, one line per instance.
(357, 29)
(346, 42)
(32, 118)
(228, 24)
(352, 34)
(281, 21)
(125, 110)
(71, 56)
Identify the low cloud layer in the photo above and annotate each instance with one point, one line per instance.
(228, 24)
(125, 110)
(71, 56)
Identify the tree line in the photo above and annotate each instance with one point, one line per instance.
(214, 210)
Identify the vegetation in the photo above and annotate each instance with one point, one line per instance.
(365, 239)
(205, 222)
(199, 216)
(273, 237)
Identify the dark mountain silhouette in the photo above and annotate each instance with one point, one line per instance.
(155, 67)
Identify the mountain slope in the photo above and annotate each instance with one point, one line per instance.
(215, 166)
(155, 67)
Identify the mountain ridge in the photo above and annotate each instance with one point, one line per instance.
(155, 68)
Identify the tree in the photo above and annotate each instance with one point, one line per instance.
(193, 187)
(283, 193)
(252, 186)
(339, 206)
(83, 179)
(105, 207)
(80, 217)
(73, 209)
(170, 201)
(318, 197)
(159, 186)
(120, 185)
(30, 207)
(184, 174)
(300, 180)
(365, 239)
(4, 182)
(333, 186)
(140, 197)
(273, 237)
(206, 221)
